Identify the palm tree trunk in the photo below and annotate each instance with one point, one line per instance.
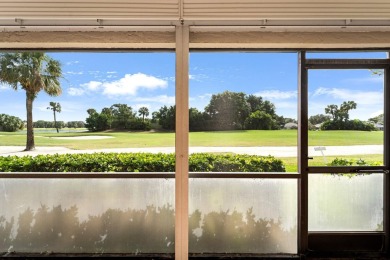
(55, 121)
(30, 144)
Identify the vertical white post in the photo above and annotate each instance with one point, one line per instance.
(181, 138)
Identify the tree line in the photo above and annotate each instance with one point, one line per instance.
(337, 118)
(34, 72)
(10, 123)
(58, 124)
(118, 117)
(225, 111)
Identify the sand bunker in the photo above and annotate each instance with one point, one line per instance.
(87, 137)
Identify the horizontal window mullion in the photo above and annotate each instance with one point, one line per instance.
(87, 175)
(347, 63)
(348, 169)
(147, 175)
(244, 175)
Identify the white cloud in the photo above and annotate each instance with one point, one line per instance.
(42, 108)
(131, 83)
(111, 76)
(92, 85)
(360, 97)
(4, 87)
(206, 95)
(111, 72)
(276, 94)
(74, 72)
(197, 77)
(172, 79)
(376, 113)
(76, 91)
(72, 62)
(95, 73)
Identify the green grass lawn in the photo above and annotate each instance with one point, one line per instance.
(218, 138)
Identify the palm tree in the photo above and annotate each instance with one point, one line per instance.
(143, 111)
(56, 107)
(32, 72)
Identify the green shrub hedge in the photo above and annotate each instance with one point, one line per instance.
(138, 162)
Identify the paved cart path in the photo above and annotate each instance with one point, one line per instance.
(276, 151)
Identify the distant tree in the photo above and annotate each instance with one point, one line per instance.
(39, 124)
(228, 110)
(91, 120)
(71, 124)
(260, 120)
(333, 111)
(80, 124)
(340, 114)
(287, 120)
(255, 102)
(378, 72)
(60, 124)
(166, 117)
(340, 118)
(268, 107)
(377, 119)
(319, 119)
(96, 121)
(197, 120)
(32, 72)
(143, 111)
(91, 111)
(122, 116)
(10, 123)
(345, 107)
(355, 124)
(75, 124)
(109, 114)
(56, 108)
(50, 124)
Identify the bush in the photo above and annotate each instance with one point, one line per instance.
(260, 120)
(10, 123)
(138, 162)
(138, 124)
(351, 162)
(355, 124)
(346, 162)
(340, 162)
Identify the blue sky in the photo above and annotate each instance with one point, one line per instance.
(97, 80)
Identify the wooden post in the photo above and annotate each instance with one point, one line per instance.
(181, 137)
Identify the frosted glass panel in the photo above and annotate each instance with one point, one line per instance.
(243, 216)
(345, 203)
(87, 215)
